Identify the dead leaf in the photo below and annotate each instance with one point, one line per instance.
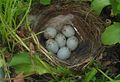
(32, 48)
(21, 33)
(19, 78)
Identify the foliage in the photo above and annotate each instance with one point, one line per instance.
(111, 34)
(2, 60)
(24, 63)
(27, 63)
(115, 6)
(90, 75)
(64, 71)
(98, 5)
(93, 75)
(45, 2)
(9, 11)
(63, 74)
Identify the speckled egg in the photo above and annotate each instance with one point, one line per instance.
(72, 43)
(50, 32)
(68, 31)
(63, 53)
(52, 46)
(60, 39)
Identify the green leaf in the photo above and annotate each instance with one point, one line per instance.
(90, 75)
(21, 8)
(115, 6)
(98, 5)
(72, 81)
(41, 66)
(20, 58)
(66, 80)
(117, 77)
(64, 71)
(111, 35)
(1, 62)
(114, 81)
(45, 2)
(24, 68)
(23, 63)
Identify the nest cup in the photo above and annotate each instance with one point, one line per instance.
(87, 26)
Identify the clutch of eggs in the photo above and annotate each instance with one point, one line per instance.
(61, 42)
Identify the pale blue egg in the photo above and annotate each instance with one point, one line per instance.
(50, 32)
(63, 53)
(72, 43)
(68, 31)
(52, 46)
(60, 39)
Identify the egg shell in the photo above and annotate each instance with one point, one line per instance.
(63, 53)
(68, 31)
(72, 43)
(52, 45)
(60, 39)
(50, 32)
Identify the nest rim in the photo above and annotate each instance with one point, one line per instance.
(82, 12)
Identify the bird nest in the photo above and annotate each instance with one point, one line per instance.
(87, 28)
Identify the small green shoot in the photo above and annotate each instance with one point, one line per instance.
(89, 76)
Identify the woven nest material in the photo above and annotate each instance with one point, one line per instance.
(88, 29)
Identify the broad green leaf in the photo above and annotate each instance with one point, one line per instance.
(111, 35)
(115, 6)
(24, 68)
(90, 75)
(20, 58)
(41, 66)
(28, 69)
(23, 63)
(45, 2)
(98, 5)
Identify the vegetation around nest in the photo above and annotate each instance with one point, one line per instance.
(24, 59)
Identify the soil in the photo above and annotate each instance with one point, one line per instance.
(111, 61)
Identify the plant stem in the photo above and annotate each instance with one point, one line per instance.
(104, 74)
